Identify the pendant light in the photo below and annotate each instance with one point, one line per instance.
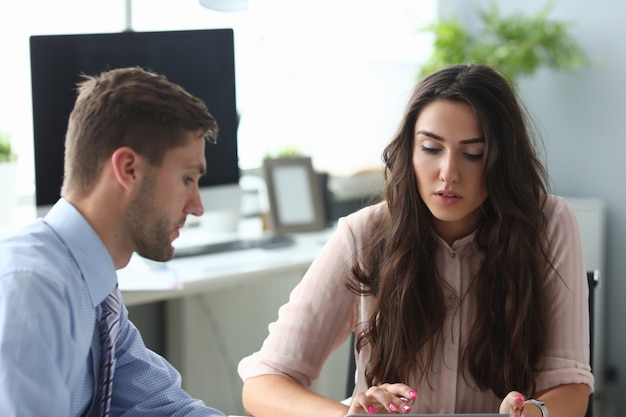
(225, 5)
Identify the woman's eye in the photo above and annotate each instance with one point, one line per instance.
(474, 157)
(431, 151)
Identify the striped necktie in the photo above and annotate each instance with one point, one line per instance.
(109, 325)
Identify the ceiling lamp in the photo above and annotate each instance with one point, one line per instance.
(225, 5)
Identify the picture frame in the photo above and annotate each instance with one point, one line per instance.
(295, 197)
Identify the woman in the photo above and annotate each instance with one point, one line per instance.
(465, 287)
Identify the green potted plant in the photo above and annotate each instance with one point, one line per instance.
(516, 45)
(6, 151)
(8, 176)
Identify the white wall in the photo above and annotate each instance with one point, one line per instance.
(581, 117)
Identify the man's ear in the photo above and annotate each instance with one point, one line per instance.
(126, 165)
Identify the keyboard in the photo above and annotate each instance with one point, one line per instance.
(264, 242)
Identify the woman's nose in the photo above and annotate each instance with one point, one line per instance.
(448, 173)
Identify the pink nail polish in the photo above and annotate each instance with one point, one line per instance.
(406, 408)
(392, 407)
(413, 394)
(371, 410)
(519, 397)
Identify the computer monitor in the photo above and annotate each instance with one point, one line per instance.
(201, 61)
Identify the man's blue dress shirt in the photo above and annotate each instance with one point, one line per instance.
(53, 276)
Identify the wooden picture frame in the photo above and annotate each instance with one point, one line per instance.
(295, 196)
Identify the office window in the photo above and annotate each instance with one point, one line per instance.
(329, 77)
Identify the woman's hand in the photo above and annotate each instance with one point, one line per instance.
(568, 400)
(513, 404)
(384, 399)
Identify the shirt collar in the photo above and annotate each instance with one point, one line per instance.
(459, 245)
(92, 257)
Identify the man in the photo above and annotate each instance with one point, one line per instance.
(134, 152)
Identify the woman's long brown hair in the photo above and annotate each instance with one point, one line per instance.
(508, 337)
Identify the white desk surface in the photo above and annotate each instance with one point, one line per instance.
(217, 271)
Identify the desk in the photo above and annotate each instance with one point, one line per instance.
(222, 311)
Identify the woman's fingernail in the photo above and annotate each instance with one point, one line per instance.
(406, 408)
(519, 397)
(392, 407)
(413, 394)
(371, 409)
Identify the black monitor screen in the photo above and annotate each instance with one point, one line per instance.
(201, 61)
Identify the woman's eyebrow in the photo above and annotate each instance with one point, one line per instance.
(441, 139)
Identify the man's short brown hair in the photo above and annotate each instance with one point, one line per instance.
(130, 107)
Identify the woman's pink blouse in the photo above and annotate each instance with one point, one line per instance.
(321, 313)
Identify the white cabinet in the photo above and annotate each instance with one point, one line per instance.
(591, 217)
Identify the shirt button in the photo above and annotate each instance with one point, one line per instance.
(453, 300)
(453, 254)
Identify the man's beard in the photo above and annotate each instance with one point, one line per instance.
(148, 227)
